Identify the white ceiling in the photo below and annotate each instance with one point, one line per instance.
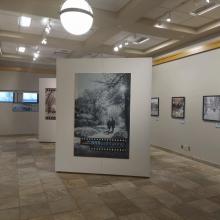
(108, 5)
(37, 26)
(181, 15)
(115, 21)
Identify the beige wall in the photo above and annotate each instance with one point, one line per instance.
(18, 122)
(192, 77)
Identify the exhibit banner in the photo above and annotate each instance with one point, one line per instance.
(50, 104)
(102, 115)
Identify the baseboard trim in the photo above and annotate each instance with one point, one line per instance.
(186, 156)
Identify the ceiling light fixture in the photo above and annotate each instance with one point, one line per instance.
(168, 19)
(24, 21)
(44, 41)
(45, 21)
(120, 46)
(36, 54)
(126, 43)
(21, 49)
(116, 49)
(76, 16)
(205, 8)
(48, 29)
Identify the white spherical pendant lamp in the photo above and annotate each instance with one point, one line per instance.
(76, 16)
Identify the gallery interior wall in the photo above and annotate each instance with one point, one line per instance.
(139, 162)
(13, 123)
(192, 77)
(47, 128)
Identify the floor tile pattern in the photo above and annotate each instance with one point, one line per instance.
(179, 188)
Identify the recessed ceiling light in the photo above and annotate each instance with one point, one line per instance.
(21, 49)
(120, 46)
(25, 21)
(116, 49)
(126, 43)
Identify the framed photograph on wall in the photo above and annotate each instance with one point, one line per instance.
(50, 104)
(178, 107)
(211, 108)
(155, 111)
(102, 115)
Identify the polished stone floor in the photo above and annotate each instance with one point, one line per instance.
(30, 189)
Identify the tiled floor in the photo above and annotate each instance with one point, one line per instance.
(31, 190)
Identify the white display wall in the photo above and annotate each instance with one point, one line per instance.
(19, 123)
(47, 128)
(141, 73)
(192, 77)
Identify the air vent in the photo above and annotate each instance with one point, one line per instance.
(205, 8)
(62, 53)
(140, 40)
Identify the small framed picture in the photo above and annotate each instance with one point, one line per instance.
(155, 111)
(178, 107)
(211, 108)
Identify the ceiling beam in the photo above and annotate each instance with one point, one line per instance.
(33, 39)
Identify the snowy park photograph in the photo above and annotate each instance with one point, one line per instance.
(102, 115)
(211, 108)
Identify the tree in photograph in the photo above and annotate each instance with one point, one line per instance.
(118, 93)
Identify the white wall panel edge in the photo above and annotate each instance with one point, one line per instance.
(46, 128)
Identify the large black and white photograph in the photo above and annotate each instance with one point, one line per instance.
(50, 104)
(155, 107)
(178, 107)
(211, 108)
(102, 115)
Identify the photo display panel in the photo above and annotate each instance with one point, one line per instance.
(102, 115)
(50, 104)
(30, 97)
(6, 96)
